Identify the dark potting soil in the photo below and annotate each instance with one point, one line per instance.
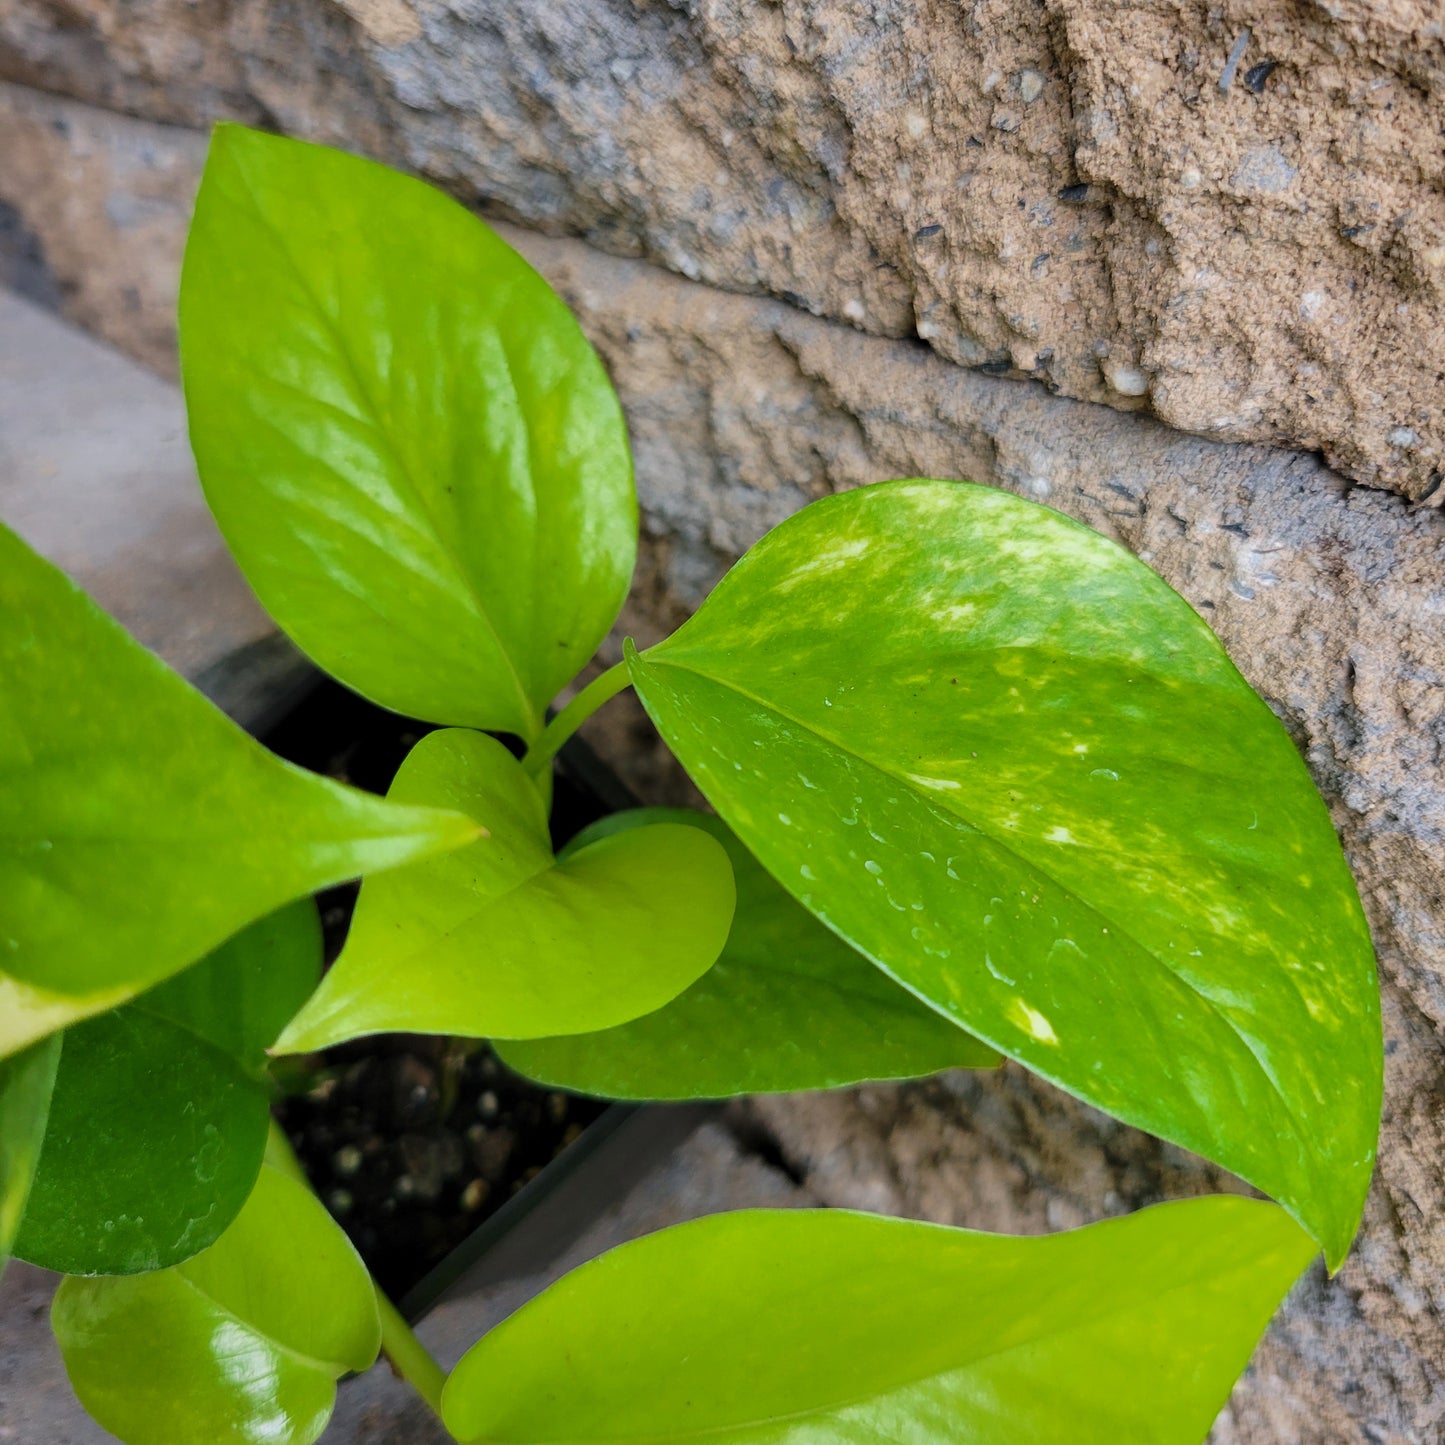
(411, 1140)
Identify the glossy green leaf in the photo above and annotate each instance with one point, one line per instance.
(241, 1345)
(788, 1005)
(414, 453)
(26, 1082)
(503, 940)
(1006, 762)
(792, 1327)
(242, 996)
(159, 1116)
(139, 827)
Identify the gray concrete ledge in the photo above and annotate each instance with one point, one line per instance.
(96, 474)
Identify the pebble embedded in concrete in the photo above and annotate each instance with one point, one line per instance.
(1265, 169)
(1126, 380)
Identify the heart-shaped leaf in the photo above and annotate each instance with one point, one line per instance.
(503, 940)
(158, 1121)
(1006, 762)
(414, 453)
(788, 1327)
(242, 1344)
(788, 1005)
(139, 827)
(26, 1082)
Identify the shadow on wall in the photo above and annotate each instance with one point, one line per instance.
(23, 267)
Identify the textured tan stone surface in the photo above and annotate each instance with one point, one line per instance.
(1332, 600)
(1063, 189)
(1330, 596)
(106, 198)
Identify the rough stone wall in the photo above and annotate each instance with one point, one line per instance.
(94, 211)
(1330, 595)
(1230, 213)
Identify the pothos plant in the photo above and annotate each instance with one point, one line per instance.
(984, 786)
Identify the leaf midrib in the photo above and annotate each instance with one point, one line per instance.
(907, 1006)
(483, 907)
(554, 863)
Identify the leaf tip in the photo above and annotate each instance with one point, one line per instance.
(228, 137)
(334, 1014)
(1336, 1245)
(1331, 1225)
(441, 830)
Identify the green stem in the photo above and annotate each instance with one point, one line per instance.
(408, 1356)
(599, 690)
